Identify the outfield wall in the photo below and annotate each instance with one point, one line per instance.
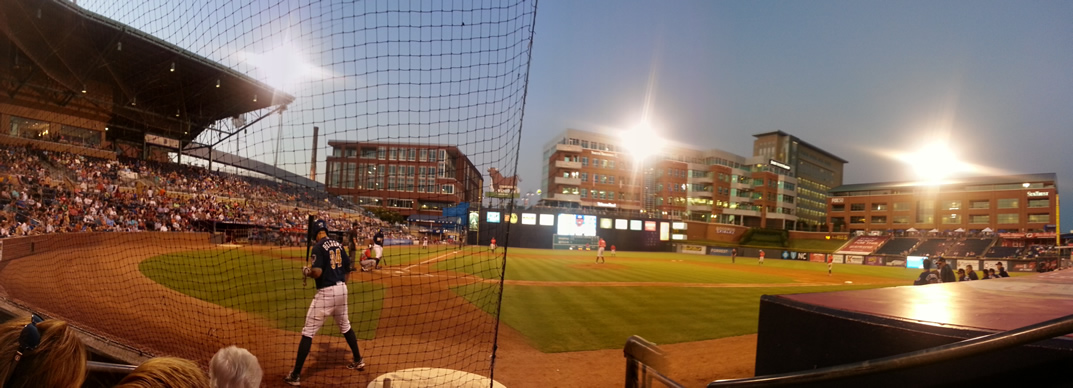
(533, 228)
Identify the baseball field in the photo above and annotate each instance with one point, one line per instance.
(564, 318)
(557, 302)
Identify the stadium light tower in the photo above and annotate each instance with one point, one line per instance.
(643, 142)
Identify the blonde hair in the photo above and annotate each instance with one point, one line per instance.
(58, 361)
(234, 367)
(161, 372)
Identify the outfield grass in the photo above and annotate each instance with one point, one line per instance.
(554, 318)
(574, 318)
(558, 265)
(568, 319)
(269, 287)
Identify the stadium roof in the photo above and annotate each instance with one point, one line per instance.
(151, 86)
(204, 152)
(984, 180)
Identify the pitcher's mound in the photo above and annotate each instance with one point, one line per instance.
(433, 377)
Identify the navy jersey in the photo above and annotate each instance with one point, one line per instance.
(378, 239)
(331, 258)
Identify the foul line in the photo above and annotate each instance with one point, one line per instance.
(434, 259)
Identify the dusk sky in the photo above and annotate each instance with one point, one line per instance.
(860, 79)
(864, 80)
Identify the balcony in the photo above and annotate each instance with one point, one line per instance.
(567, 148)
(566, 197)
(567, 181)
(699, 208)
(565, 164)
(705, 194)
(707, 179)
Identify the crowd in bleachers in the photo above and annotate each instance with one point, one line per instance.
(51, 192)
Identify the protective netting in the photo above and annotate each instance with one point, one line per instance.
(410, 110)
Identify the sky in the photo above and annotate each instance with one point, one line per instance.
(861, 79)
(864, 80)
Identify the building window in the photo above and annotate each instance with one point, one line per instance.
(422, 155)
(368, 153)
(951, 219)
(584, 177)
(980, 204)
(900, 219)
(381, 153)
(979, 219)
(951, 204)
(879, 219)
(901, 206)
(1008, 218)
(412, 154)
(856, 220)
(447, 189)
(834, 208)
(856, 207)
(28, 128)
(1038, 218)
(1007, 203)
(337, 152)
(1045, 202)
(351, 153)
(879, 206)
(584, 161)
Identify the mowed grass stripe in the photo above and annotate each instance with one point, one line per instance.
(568, 319)
(269, 287)
(531, 265)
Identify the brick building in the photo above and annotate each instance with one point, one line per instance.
(591, 171)
(408, 178)
(1003, 204)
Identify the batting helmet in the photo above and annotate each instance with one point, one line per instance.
(320, 225)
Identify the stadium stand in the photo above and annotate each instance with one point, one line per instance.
(969, 247)
(1003, 252)
(931, 247)
(898, 246)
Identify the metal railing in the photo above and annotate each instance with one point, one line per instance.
(644, 360)
(638, 350)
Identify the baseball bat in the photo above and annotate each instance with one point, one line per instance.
(309, 244)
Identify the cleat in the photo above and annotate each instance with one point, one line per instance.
(359, 365)
(291, 379)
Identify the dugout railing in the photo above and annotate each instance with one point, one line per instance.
(644, 359)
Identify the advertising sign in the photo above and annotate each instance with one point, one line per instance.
(621, 224)
(529, 219)
(693, 249)
(547, 219)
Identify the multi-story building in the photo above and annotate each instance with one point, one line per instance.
(817, 171)
(408, 178)
(1013, 204)
(591, 171)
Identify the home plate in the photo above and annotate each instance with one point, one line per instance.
(432, 377)
(849, 282)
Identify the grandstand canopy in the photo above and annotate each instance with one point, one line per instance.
(142, 83)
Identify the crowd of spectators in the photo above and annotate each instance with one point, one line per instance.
(51, 192)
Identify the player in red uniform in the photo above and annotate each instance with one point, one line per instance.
(600, 251)
(493, 245)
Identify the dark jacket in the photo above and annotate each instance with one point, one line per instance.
(947, 275)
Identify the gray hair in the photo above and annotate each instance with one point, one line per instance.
(234, 367)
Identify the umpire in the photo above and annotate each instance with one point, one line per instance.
(329, 269)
